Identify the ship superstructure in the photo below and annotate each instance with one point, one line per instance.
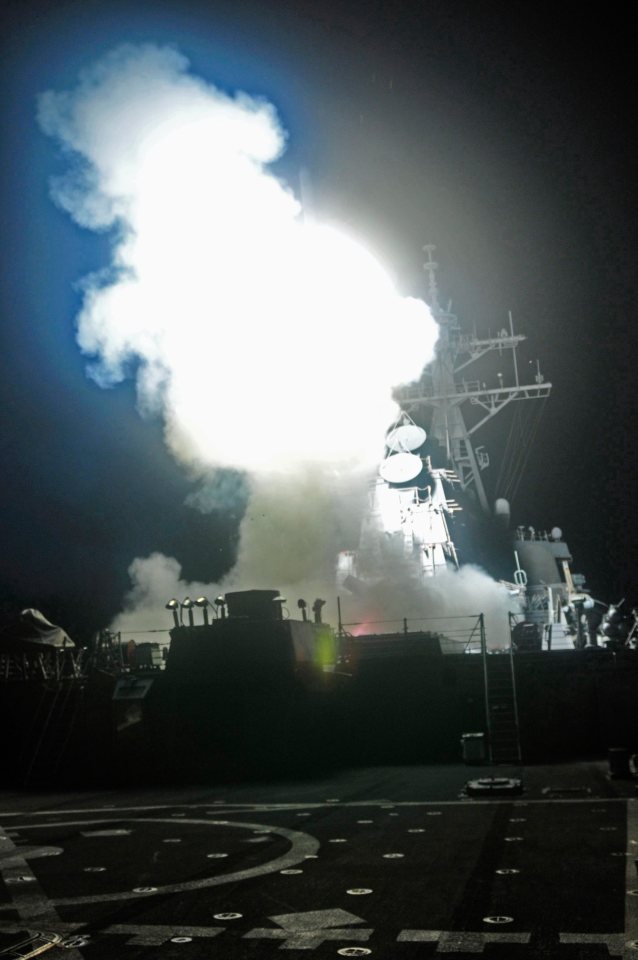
(412, 502)
(406, 526)
(447, 390)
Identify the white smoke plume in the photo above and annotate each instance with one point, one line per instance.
(269, 344)
(155, 580)
(448, 603)
(290, 536)
(265, 342)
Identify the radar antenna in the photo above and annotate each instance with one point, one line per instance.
(430, 267)
(445, 389)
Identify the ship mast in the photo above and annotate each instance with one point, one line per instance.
(445, 394)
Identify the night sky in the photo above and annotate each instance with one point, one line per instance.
(504, 136)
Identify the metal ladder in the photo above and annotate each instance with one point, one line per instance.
(501, 708)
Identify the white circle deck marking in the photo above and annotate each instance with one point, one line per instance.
(359, 891)
(354, 952)
(507, 871)
(301, 843)
(227, 916)
(393, 856)
(181, 939)
(498, 919)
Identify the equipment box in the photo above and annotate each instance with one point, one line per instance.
(473, 747)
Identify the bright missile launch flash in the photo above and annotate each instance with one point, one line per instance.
(263, 341)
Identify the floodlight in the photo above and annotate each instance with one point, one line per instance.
(220, 603)
(174, 606)
(187, 604)
(205, 603)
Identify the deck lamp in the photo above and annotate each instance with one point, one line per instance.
(203, 602)
(174, 606)
(220, 603)
(187, 604)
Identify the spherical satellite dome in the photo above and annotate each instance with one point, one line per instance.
(556, 533)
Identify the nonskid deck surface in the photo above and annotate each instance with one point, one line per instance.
(383, 862)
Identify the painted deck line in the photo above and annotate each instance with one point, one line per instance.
(28, 898)
(273, 808)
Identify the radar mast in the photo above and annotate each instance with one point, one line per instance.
(444, 392)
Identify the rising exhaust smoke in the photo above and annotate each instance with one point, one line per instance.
(266, 343)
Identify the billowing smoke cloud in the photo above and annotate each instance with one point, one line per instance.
(290, 535)
(268, 344)
(155, 579)
(448, 604)
(264, 341)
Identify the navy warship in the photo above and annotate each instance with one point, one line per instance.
(244, 685)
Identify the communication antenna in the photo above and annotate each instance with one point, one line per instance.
(430, 267)
(445, 390)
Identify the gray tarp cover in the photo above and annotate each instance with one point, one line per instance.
(31, 629)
